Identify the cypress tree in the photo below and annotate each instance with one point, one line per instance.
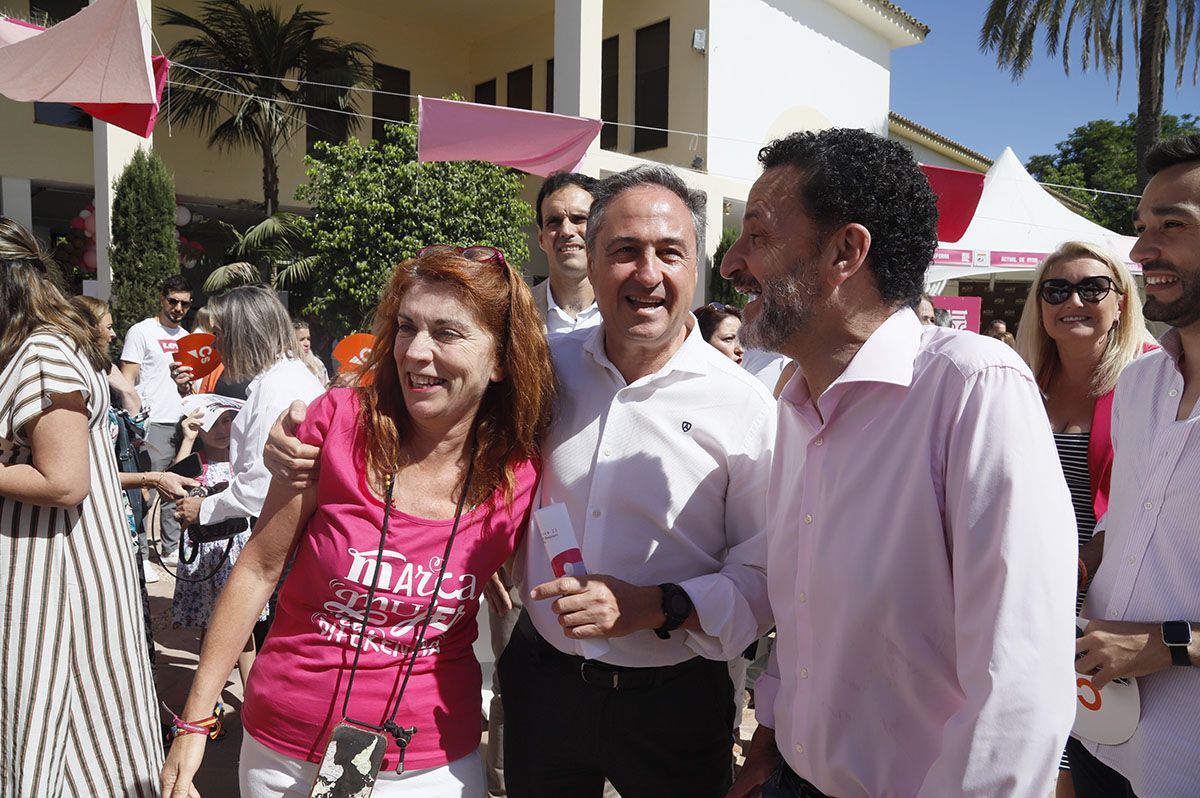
(143, 251)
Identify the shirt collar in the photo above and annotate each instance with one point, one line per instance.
(1172, 344)
(887, 356)
(690, 358)
(553, 307)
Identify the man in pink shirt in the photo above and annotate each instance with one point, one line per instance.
(1144, 604)
(922, 560)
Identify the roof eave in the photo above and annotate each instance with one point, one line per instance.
(893, 23)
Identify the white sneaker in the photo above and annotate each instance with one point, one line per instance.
(171, 559)
(150, 571)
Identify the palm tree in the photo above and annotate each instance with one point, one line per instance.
(273, 251)
(257, 108)
(1010, 29)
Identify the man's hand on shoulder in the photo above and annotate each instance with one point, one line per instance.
(287, 458)
(597, 605)
(1116, 649)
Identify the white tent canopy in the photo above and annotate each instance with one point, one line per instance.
(1016, 224)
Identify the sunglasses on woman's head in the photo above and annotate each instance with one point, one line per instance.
(479, 253)
(1090, 289)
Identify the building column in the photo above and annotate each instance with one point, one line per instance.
(16, 200)
(112, 150)
(578, 30)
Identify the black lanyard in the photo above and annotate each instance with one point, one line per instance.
(402, 734)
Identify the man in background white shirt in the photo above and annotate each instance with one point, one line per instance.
(150, 346)
(565, 298)
(921, 541)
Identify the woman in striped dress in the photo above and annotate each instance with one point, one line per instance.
(1081, 326)
(77, 702)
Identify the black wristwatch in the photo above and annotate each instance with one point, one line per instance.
(1178, 636)
(677, 606)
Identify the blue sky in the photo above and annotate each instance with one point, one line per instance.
(948, 85)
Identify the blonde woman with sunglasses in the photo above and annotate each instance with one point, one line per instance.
(1081, 326)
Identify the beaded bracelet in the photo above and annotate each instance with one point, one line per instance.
(210, 727)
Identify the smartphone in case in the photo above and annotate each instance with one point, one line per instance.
(189, 467)
(351, 763)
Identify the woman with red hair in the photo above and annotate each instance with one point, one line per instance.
(427, 475)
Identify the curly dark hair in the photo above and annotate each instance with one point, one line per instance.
(559, 181)
(852, 176)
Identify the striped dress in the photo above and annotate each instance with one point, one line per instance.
(1073, 455)
(78, 712)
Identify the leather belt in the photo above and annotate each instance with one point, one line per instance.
(601, 674)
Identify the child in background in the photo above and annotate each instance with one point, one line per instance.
(206, 431)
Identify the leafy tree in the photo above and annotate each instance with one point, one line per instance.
(376, 205)
(720, 289)
(1100, 155)
(1010, 29)
(143, 251)
(275, 247)
(242, 110)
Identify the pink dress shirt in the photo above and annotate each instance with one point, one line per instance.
(1151, 567)
(921, 569)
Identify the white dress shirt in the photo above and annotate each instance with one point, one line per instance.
(921, 564)
(664, 481)
(558, 321)
(267, 396)
(1151, 567)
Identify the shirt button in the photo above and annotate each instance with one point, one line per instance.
(808, 519)
(607, 452)
(804, 673)
(799, 748)
(802, 598)
(1132, 560)
(819, 442)
(595, 513)
(1149, 505)
(1172, 392)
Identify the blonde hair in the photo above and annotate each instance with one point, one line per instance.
(255, 331)
(1125, 340)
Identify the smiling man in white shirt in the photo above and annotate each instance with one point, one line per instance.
(659, 450)
(921, 551)
(565, 298)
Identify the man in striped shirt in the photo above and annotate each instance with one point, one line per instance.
(1144, 602)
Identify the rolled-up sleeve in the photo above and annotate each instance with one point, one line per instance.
(732, 604)
(1011, 531)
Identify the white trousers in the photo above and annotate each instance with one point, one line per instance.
(264, 773)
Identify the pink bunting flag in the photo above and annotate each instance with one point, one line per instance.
(96, 59)
(532, 141)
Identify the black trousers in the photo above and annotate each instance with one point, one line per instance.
(564, 735)
(1092, 778)
(784, 783)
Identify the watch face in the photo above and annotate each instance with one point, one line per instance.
(679, 604)
(1177, 633)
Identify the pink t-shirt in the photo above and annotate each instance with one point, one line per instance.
(294, 698)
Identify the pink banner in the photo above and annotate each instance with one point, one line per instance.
(952, 257)
(1028, 260)
(966, 312)
(532, 141)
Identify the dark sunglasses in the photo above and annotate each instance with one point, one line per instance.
(1090, 289)
(183, 303)
(479, 253)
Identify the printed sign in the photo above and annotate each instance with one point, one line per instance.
(966, 312)
(952, 257)
(353, 351)
(198, 352)
(1028, 260)
(1108, 716)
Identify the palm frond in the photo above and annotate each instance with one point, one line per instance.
(231, 275)
(297, 272)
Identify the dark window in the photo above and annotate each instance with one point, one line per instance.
(485, 93)
(550, 86)
(390, 106)
(650, 91)
(46, 13)
(330, 125)
(609, 62)
(520, 88)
